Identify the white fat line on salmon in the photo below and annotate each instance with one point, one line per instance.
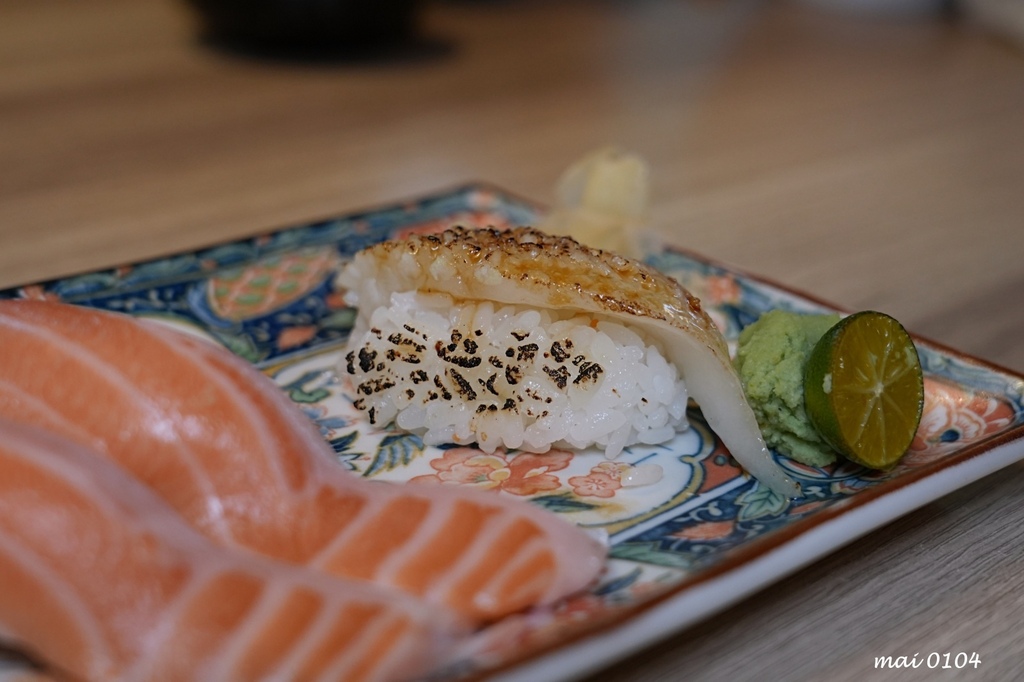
(491, 543)
(316, 635)
(524, 553)
(331, 606)
(112, 375)
(365, 644)
(239, 644)
(533, 586)
(492, 532)
(63, 596)
(371, 508)
(61, 469)
(268, 394)
(167, 625)
(438, 515)
(43, 410)
(537, 579)
(566, 582)
(250, 415)
(479, 550)
(312, 637)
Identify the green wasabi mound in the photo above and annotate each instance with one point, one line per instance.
(770, 360)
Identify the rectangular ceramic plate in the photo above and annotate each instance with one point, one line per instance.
(700, 539)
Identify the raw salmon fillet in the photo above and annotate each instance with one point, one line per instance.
(230, 452)
(102, 580)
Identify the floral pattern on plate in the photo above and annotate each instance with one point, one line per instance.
(272, 300)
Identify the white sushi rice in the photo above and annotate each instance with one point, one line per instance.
(504, 375)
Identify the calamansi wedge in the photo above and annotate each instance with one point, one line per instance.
(863, 389)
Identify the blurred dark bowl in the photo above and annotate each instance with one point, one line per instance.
(309, 23)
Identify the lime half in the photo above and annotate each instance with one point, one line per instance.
(863, 389)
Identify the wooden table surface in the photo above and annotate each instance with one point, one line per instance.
(877, 163)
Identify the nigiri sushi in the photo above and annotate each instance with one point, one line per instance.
(102, 580)
(529, 341)
(229, 451)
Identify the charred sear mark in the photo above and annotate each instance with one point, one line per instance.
(470, 345)
(509, 405)
(366, 358)
(410, 329)
(400, 340)
(373, 415)
(456, 336)
(350, 362)
(578, 359)
(465, 389)
(412, 359)
(446, 354)
(359, 404)
(558, 352)
(513, 373)
(418, 377)
(520, 335)
(491, 407)
(376, 385)
(496, 361)
(559, 375)
(510, 352)
(376, 332)
(410, 394)
(589, 371)
(391, 354)
(445, 393)
(489, 384)
(527, 352)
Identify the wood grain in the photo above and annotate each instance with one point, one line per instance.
(875, 163)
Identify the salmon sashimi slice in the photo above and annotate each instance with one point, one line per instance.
(102, 580)
(228, 450)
